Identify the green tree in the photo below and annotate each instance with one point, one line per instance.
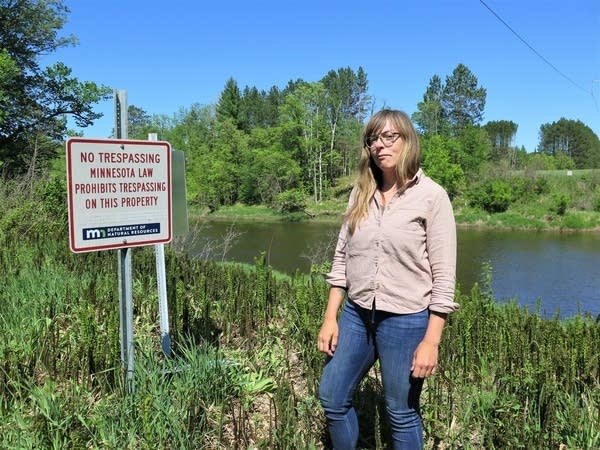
(348, 145)
(252, 108)
(267, 172)
(521, 157)
(163, 126)
(429, 117)
(229, 104)
(138, 123)
(502, 134)
(473, 150)
(191, 131)
(463, 101)
(36, 101)
(437, 163)
(193, 128)
(221, 165)
(346, 99)
(540, 161)
(273, 101)
(573, 138)
(260, 109)
(9, 71)
(303, 113)
(564, 162)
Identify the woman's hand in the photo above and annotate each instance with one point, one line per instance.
(425, 359)
(328, 336)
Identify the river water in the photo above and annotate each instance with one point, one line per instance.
(560, 271)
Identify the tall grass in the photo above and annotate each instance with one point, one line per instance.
(515, 374)
(245, 368)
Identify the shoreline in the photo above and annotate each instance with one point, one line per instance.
(549, 229)
(266, 215)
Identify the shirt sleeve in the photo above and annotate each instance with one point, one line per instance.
(337, 276)
(441, 248)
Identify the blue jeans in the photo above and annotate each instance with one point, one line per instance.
(365, 336)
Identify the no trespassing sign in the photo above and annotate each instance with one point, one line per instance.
(119, 193)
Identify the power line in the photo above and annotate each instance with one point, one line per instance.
(592, 92)
(538, 53)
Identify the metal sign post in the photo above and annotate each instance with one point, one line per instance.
(161, 280)
(125, 277)
(126, 316)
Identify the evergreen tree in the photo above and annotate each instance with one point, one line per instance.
(138, 123)
(229, 104)
(273, 101)
(252, 108)
(573, 138)
(463, 102)
(502, 134)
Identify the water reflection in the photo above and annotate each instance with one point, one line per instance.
(562, 271)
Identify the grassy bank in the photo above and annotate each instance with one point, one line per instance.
(466, 217)
(246, 368)
(544, 200)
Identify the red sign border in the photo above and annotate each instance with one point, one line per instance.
(70, 194)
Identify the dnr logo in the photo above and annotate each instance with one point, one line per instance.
(94, 233)
(90, 234)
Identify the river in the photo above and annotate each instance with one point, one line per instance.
(561, 271)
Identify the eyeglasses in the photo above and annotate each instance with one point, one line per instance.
(387, 139)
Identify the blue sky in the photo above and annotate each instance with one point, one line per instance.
(171, 55)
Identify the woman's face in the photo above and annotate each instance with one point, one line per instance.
(385, 148)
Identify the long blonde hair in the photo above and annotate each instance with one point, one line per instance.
(369, 176)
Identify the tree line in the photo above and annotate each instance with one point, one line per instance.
(283, 146)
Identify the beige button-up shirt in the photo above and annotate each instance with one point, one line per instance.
(403, 255)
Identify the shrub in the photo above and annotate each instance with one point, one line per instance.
(560, 203)
(492, 195)
(542, 186)
(293, 200)
(31, 209)
(522, 188)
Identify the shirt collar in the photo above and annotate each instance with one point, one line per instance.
(416, 178)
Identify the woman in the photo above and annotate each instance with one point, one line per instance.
(395, 261)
